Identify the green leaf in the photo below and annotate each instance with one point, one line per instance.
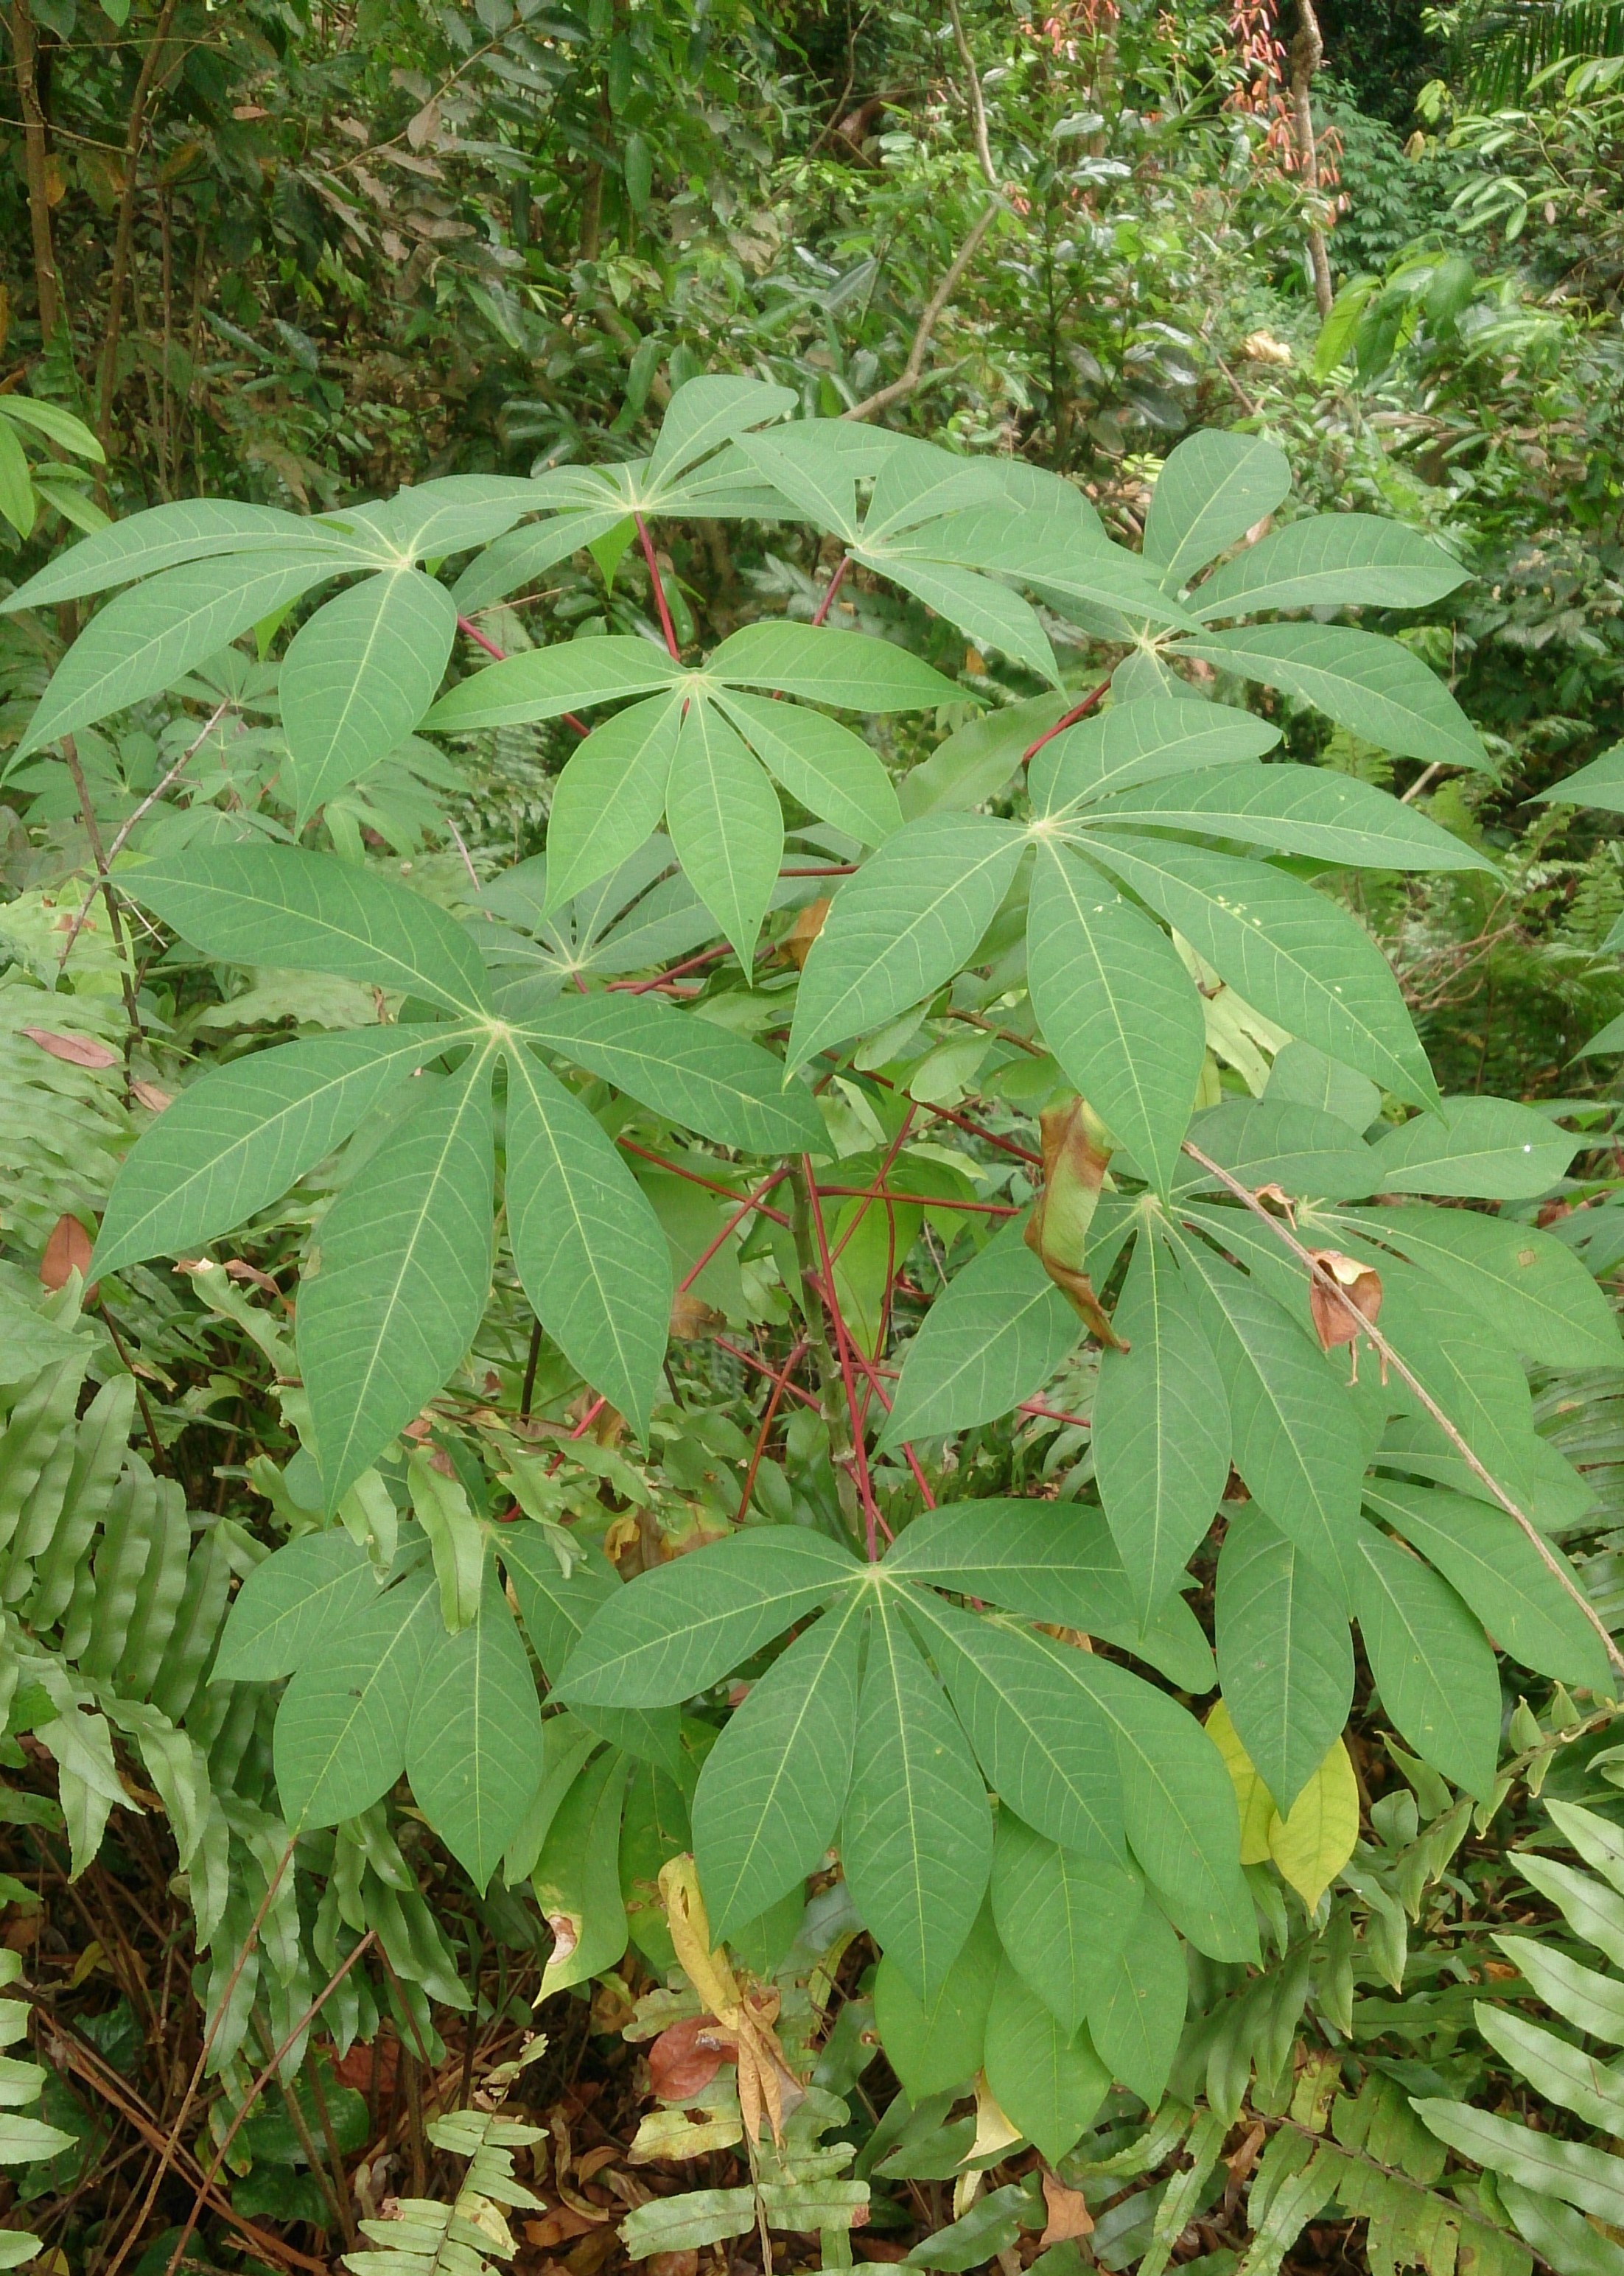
(163, 537)
(1487, 1558)
(1145, 741)
(1332, 560)
(1045, 1752)
(60, 426)
(916, 1838)
(340, 1739)
(984, 612)
(17, 498)
(394, 1291)
(426, 521)
(1477, 1383)
(1601, 784)
(726, 825)
(577, 1879)
(473, 1748)
(1432, 1666)
(1292, 953)
(1271, 1140)
(849, 671)
(1177, 1802)
(676, 1630)
(1136, 2014)
(544, 683)
(1214, 487)
(147, 638)
(358, 677)
(238, 1138)
(1291, 810)
(831, 771)
(710, 410)
(685, 1068)
(311, 1588)
(1286, 1660)
(1047, 2081)
(1063, 1919)
(279, 906)
(1161, 1433)
(590, 1253)
(1116, 1006)
(1304, 1077)
(1558, 2071)
(936, 2046)
(992, 1338)
(1373, 686)
(1049, 1560)
(610, 796)
(1573, 2171)
(907, 920)
(1560, 2234)
(773, 1786)
(520, 556)
(1592, 2002)
(1529, 1291)
(1476, 1148)
(554, 1609)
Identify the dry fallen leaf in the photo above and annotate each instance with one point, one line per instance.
(557, 2226)
(1068, 2212)
(684, 2059)
(692, 1319)
(68, 1250)
(75, 1050)
(796, 945)
(148, 1095)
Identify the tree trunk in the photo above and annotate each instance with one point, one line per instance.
(25, 49)
(1308, 51)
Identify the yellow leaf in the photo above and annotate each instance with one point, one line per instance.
(1312, 1845)
(1258, 1810)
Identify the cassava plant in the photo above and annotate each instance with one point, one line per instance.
(1077, 1013)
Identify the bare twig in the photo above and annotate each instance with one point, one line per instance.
(1407, 1375)
(1308, 51)
(978, 108)
(123, 236)
(914, 369)
(48, 284)
(144, 807)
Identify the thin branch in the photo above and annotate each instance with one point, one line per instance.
(667, 627)
(1407, 1375)
(914, 369)
(978, 108)
(144, 807)
(93, 832)
(47, 279)
(123, 236)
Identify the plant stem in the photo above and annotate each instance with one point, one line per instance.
(123, 236)
(47, 281)
(93, 833)
(832, 588)
(1078, 711)
(845, 1435)
(667, 627)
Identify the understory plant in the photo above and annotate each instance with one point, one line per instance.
(1042, 1075)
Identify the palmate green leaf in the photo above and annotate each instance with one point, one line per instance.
(1116, 1007)
(1049, 1560)
(1477, 1383)
(916, 1837)
(240, 1136)
(1136, 2011)
(474, 1746)
(1213, 489)
(1373, 686)
(1063, 1917)
(1046, 1753)
(1143, 742)
(1601, 784)
(544, 683)
(1061, 560)
(726, 825)
(1286, 1660)
(935, 2046)
(710, 410)
(1332, 560)
(1528, 1291)
(280, 906)
(1476, 1148)
(590, 1253)
(1432, 1664)
(851, 670)
(1297, 1441)
(396, 1286)
(358, 677)
(774, 1785)
(147, 638)
(984, 612)
(675, 1630)
(425, 520)
(689, 1069)
(1306, 1077)
(611, 796)
(1048, 2081)
(1489, 1560)
(516, 559)
(831, 771)
(164, 536)
(306, 1591)
(1293, 954)
(555, 1608)
(905, 923)
(341, 1738)
(1293, 810)
(992, 1338)
(1161, 1432)
(1275, 1140)
(1575, 2171)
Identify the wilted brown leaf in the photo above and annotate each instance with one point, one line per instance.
(796, 945)
(148, 1095)
(1068, 2212)
(561, 2223)
(68, 1250)
(684, 2059)
(1074, 1163)
(675, 2264)
(1360, 1286)
(692, 1319)
(75, 1050)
